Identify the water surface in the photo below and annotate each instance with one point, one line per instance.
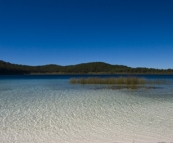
(42, 109)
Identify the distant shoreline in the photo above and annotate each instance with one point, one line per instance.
(92, 68)
(129, 74)
(96, 74)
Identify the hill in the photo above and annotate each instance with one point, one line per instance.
(7, 68)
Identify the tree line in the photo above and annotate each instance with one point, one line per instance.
(7, 68)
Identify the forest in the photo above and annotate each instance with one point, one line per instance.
(7, 68)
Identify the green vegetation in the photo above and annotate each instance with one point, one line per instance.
(85, 68)
(120, 82)
(128, 82)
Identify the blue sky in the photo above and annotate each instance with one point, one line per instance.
(136, 33)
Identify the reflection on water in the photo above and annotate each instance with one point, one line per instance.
(52, 110)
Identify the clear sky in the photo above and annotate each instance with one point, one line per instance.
(136, 33)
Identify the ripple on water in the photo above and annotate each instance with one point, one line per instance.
(43, 112)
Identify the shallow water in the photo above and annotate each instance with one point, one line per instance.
(42, 110)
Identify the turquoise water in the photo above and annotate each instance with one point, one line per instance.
(47, 109)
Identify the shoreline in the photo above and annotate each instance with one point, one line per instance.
(94, 74)
(97, 74)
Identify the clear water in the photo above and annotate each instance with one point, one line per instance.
(47, 109)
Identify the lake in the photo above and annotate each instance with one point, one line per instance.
(48, 109)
